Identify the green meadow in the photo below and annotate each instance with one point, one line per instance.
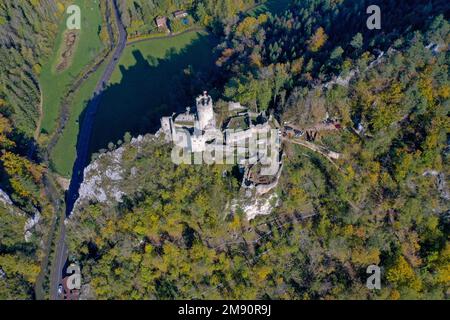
(153, 78)
(64, 153)
(55, 84)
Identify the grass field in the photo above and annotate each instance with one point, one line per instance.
(64, 153)
(153, 78)
(54, 85)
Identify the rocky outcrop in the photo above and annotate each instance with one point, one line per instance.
(30, 224)
(100, 182)
(345, 80)
(105, 179)
(441, 183)
(254, 205)
(4, 198)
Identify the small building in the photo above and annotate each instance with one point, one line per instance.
(161, 22)
(69, 294)
(180, 14)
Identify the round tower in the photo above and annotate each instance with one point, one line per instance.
(205, 111)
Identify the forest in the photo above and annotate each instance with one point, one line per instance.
(384, 202)
(174, 237)
(139, 15)
(26, 33)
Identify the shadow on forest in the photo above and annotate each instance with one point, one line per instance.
(152, 88)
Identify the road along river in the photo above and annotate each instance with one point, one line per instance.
(82, 152)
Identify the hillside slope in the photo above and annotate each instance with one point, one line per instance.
(27, 31)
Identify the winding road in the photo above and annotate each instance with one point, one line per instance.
(82, 153)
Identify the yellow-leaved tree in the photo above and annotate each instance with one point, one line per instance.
(402, 274)
(317, 40)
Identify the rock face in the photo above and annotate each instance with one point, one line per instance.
(30, 224)
(100, 182)
(254, 205)
(440, 181)
(344, 81)
(4, 198)
(91, 188)
(105, 178)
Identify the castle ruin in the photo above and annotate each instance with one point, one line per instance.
(250, 140)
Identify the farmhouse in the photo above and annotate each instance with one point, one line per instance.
(161, 22)
(180, 14)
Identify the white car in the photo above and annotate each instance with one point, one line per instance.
(60, 289)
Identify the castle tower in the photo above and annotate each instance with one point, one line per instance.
(205, 111)
(167, 127)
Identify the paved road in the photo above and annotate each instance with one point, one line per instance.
(83, 149)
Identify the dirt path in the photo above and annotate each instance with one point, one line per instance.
(330, 155)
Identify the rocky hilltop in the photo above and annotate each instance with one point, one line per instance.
(120, 174)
